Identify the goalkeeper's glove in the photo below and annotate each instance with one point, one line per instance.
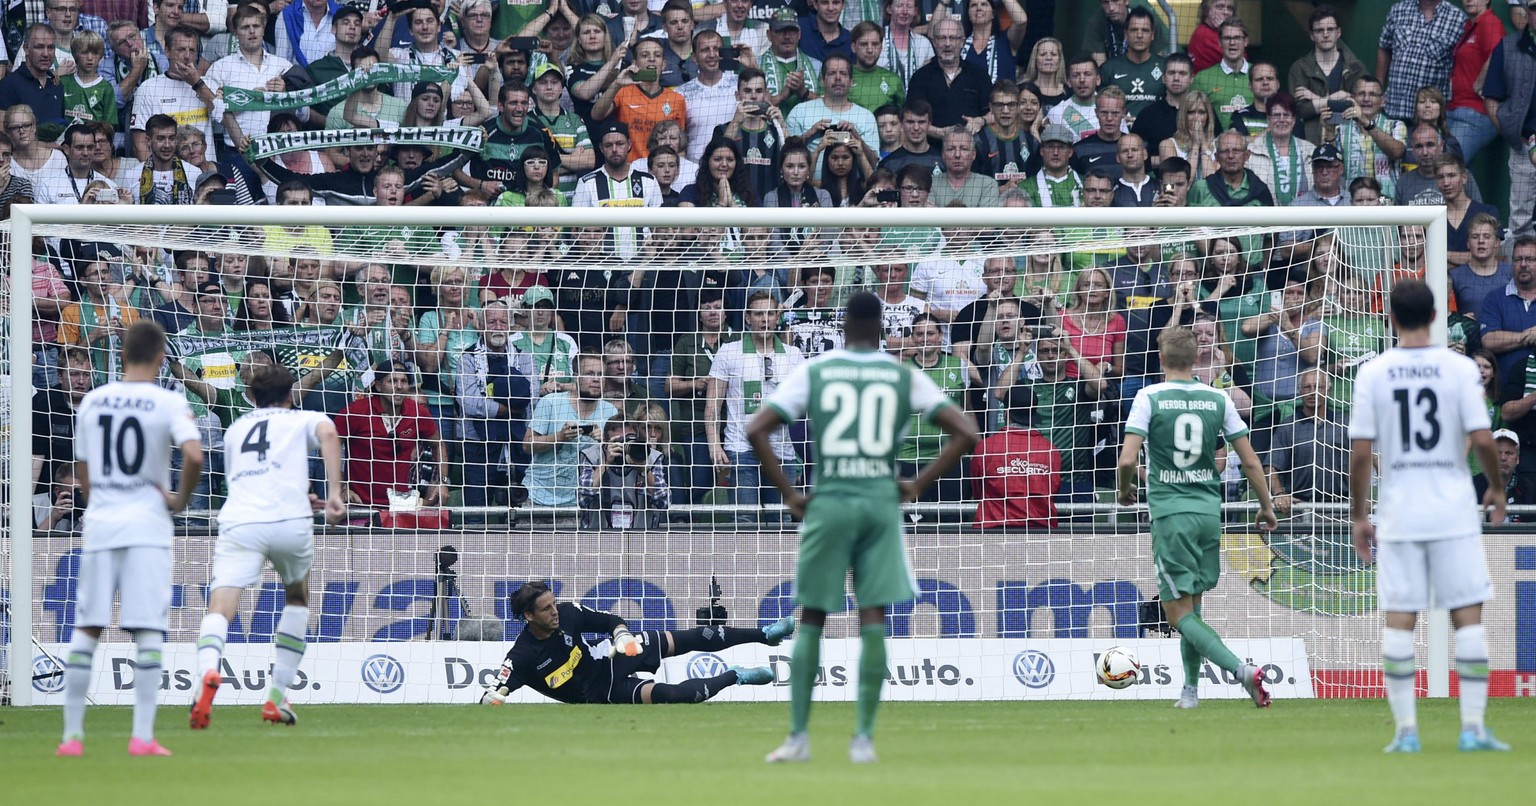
(625, 643)
(493, 696)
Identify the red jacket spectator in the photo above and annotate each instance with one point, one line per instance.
(1014, 474)
(381, 458)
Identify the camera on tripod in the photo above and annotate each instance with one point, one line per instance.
(714, 613)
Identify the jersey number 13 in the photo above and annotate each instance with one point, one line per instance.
(1423, 410)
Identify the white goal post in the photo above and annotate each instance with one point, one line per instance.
(29, 221)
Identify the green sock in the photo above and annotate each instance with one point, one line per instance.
(1191, 658)
(872, 671)
(1207, 642)
(804, 663)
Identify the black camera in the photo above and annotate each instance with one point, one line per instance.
(634, 449)
(713, 614)
(1151, 617)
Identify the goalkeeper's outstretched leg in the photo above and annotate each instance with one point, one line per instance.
(550, 657)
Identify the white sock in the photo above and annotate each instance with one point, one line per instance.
(290, 650)
(77, 682)
(210, 642)
(1472, 671)
(146, 682)
(1398, 664)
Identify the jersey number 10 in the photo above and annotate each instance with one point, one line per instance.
(1412, 436)
(130, 456)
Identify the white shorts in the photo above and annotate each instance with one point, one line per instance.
(1455, 569)
(140, 574)
(244, 549)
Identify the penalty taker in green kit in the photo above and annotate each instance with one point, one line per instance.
(1182, 422)
(858, 401)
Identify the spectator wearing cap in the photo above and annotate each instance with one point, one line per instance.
(347, 28)
(565, 127)
(386, 434)
(957, 89)
(370, 107)
(617, 184)
(641, 104)
(1056, 185)
(1518, 490)
(1015, 472)
(494, 170)
(1275, 154)
(551, 352)
(790, 72)
(1327, 186)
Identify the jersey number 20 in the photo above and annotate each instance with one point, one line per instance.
(872, 412)
(1426, 400)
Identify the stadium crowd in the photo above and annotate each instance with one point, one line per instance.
(550, 379)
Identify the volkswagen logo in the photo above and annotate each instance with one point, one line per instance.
(383, 674)
(47, 675)
(1034, 668)
(706, 664)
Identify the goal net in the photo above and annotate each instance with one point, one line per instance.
(559, 395)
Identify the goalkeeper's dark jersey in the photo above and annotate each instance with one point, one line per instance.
(561, 667)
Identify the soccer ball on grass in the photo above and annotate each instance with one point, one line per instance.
(1117, 667)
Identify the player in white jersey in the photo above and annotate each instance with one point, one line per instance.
(269, 516)
(124, 433)
(1419, 405)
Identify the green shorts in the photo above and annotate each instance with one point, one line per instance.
(843, 533)
(1186, 550)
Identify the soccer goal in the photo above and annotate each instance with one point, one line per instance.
(396, 322)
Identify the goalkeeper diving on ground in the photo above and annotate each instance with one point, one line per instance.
(550, 657)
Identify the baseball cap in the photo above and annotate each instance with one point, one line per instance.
(1505, 433)
(212, 176)
(1021, 406)
(783, 20)
(1056, 132)
(424, 87)
(347, 11)
(538, 294)
(606, 128)
(1327, 152)
(546, 69)
(209, 287)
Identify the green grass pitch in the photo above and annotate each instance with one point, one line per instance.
(1226, 752)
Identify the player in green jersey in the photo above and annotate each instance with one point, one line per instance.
(1182, 422)
(858, 400)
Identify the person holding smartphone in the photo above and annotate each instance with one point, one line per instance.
(639, 101)
(556, 437)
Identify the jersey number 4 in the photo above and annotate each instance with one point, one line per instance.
(115, 438)
(256, 442)
(1429, 404)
